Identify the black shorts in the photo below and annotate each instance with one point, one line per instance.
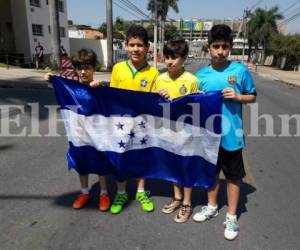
(231, 163)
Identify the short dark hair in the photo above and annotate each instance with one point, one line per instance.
(85, 57)
(137, 31)
(220, 32)
(176, 47)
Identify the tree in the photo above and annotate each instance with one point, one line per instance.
(287, 46)
(166, 5)
(170, 31)
(262, 27)
(103, 28)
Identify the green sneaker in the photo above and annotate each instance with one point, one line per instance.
(119, 202)
(145, 201)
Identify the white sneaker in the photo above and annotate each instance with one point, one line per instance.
(231, 228)
(206, 213)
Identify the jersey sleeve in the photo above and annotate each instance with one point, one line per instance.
(248, 86)
(155, 87)
(154, 81)
(194, 85)
(113, 78)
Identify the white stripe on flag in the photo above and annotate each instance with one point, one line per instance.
(121, 134)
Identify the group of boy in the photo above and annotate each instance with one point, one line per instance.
(237, 86)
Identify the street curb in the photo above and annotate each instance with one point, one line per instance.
(273, 78)
(26, 85)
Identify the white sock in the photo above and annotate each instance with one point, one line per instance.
(103, 191)
(230, 216)
(212, 207)
(141, 190)
(85, 190)
(121, 192)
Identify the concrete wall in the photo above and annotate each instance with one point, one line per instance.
(7, 40)
(99, 46)
(24, 15)
(20, 24)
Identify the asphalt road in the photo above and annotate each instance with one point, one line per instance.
(36, 190)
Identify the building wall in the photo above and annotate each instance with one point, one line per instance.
(21, 29)
(7, 40)
(99, 46)
(24, 16)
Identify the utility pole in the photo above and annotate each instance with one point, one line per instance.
(109, 21)
(55, 35)
(155, 34)
(245, 18)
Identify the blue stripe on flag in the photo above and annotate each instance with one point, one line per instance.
(189, 166)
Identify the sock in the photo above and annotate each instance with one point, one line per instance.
(230, 216)
(141, 190)
(103, 191)
(212, 207)
(85, 190)
(121, 192)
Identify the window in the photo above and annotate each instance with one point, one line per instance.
(47, 2)
(49, 29)
(37, 30)
(62, 32)
(61, 6)
(36, 3)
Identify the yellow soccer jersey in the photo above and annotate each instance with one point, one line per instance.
(125, 76)
(185, 84)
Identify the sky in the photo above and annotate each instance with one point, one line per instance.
(93, 12)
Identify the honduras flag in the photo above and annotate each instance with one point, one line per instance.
(135, 134)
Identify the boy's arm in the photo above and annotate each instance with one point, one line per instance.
(229, 93)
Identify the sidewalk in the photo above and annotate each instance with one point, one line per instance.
(32, 78)
(288, 77)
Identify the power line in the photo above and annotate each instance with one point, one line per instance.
(134, 8)
(290, 19)
(127, 10)
(291, 6)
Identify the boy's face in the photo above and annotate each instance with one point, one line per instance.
(219, 51)
(174, 63)
(137, 50)
(86, 73)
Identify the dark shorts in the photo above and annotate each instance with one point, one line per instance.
(231, 163)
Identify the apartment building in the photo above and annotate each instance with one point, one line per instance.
(24, 23)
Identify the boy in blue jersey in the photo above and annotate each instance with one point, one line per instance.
(237, 86)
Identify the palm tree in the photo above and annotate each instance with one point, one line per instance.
(262, 27)
(166, 5)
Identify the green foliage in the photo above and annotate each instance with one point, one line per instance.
(170, 31)
(288, 46)
(262, 27)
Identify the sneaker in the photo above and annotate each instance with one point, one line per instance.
(206, 213)
(171, 206)
(104, 202)
(81, 201)
(146, 203)
(231, 228)
(119, 202)
(184, 213)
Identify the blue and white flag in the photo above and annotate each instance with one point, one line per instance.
(135, 134)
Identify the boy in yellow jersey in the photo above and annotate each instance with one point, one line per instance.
(137, 75)
(174, 83)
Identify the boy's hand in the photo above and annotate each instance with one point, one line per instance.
(229, 93)
(95, 83)
(198, 92)
(48, 76)
(164, 93)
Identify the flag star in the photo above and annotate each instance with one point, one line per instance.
(131, 135)
(142, 124)
(122, 144)
(120, 126)
(143, 141)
